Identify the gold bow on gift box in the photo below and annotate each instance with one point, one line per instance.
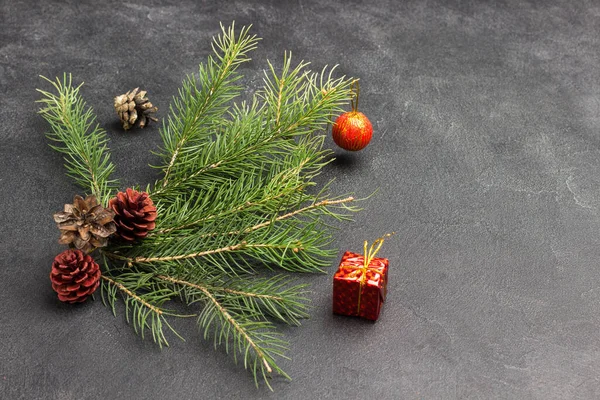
(360, 271)
(369, 255)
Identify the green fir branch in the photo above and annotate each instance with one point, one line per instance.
(282, 240)
(272, 134)
(202, 101)
(275, 297)
(238, 193)
(79, 137)
(238, 326)
(143, 300)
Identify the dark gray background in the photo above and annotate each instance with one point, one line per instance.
(486, 154)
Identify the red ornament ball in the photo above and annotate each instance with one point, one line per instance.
(352, 131)
(74, 276)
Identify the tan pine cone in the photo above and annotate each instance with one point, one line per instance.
(85, 224)
(74, 276)
(134, 106)
(134, 214)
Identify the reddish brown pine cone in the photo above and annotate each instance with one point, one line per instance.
(134, 214)
(75, 275)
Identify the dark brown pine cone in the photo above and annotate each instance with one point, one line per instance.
(85, 224)
(134, 106)
(75, 275)
(134, 214)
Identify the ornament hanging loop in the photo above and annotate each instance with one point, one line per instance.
(355, 90)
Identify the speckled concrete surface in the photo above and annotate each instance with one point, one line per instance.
(486, 154)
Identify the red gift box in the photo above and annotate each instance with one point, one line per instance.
(359, 287)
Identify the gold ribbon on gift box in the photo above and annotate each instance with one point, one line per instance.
(369, 255)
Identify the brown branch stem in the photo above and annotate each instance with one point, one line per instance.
(220, 289)
(234, 247)
(184, 138)
(122, 288)
(279, 98)
(228, 317)
(285, 216)
(291, 214)
(199, 172)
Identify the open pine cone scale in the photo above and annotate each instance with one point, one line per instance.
(85, 224)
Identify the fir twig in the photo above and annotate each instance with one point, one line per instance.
(241, 330)
(272, 297)
(235, 195)
(296, 246)
(264, 224)
(79, 137)
(323, 203)
(142, 310)
(242, 245)
(202, 100)
(129, 293)
(235, 209)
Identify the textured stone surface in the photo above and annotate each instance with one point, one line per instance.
(486, 154)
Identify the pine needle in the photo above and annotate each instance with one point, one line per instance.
(79, 137)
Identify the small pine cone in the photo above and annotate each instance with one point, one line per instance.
(134, 106)
(74, 276)
(85, 224)
(134, 214)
